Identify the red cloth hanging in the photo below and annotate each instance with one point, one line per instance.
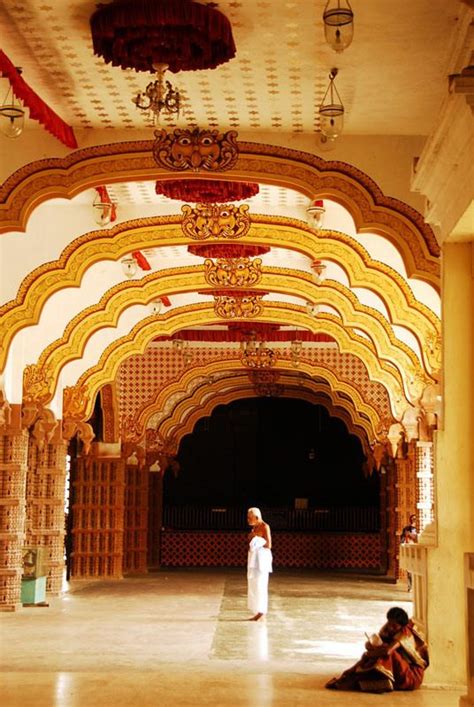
(39, 110)
(206, 191)
(227, 250)
(240, 331)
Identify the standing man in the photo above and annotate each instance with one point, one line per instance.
(259, 564)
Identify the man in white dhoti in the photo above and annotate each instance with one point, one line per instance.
(259, 564)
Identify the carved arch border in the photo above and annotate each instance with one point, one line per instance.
(188, 279)
(185, 383)
(78, 256)
(136, 341)
(130, 161)
(224, 398)
(186, 407)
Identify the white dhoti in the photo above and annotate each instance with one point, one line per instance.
(259, 566)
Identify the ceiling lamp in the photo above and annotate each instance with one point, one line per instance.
(206, 191)
(142, 34)
(129, 267)
(104, 208)
(159, 96)
(155, 306)
(331, 112)
(12, 114)
(315, 213)
(338, 24)
(318, 267)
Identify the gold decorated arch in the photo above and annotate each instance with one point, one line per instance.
(362, 271)
(225, 397)
(193, 385)
(371, 210)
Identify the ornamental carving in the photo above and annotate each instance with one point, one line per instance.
(238, 307)
(260, 357)
(75, 402)
(215, 221)
(83, 430)
(196, 149)
(233, 272)
(131, 430)
(44, 428)
(36, 384)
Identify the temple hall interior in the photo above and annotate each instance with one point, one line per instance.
(236, 271)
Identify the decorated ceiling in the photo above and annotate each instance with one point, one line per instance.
(306, 281)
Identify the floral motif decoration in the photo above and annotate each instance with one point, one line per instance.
(233, 272)
(225, 221)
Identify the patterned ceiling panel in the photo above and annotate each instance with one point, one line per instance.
(276, 81)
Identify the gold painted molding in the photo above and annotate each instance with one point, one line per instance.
(197, 377)
(131, 161)
(107, 311)
(78, 256)
(224, 398)
(136, 341)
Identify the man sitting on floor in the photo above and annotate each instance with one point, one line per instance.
(395, 659)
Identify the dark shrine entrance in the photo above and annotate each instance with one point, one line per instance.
(294, 461)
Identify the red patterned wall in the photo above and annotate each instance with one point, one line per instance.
(229, 549)
(140, 378)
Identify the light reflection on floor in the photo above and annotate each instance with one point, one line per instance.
(182, 638)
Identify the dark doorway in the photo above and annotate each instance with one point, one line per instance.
(269, 452)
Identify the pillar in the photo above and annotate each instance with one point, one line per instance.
(45, 505)
(454, 477)
(13, 469)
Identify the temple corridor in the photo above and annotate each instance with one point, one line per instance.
(181, 638)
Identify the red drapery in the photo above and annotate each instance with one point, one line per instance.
(206, 191)
(39, 110)
(242, 334)
(227, 250)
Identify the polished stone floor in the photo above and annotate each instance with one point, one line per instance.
(181, 637)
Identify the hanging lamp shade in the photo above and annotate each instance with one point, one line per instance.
(206, 191)
(142, 34)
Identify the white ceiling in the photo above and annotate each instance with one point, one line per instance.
(275, 82)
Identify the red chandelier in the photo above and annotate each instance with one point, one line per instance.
(183, 34)
(227, 250)
(206, 191)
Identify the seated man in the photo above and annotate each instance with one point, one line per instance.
(395, 659)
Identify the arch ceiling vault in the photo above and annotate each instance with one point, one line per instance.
(72, 322)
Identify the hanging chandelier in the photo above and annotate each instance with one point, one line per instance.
(12, 114)
(331, 110)
(315, 213)
(141, 34)
(255, 354)
(159, 96)
(338, 19)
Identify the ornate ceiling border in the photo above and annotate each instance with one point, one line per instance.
(78, 256)
(130, 161)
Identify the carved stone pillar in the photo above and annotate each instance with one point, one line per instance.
(13, 468)
(98, 517)
(45, 498)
